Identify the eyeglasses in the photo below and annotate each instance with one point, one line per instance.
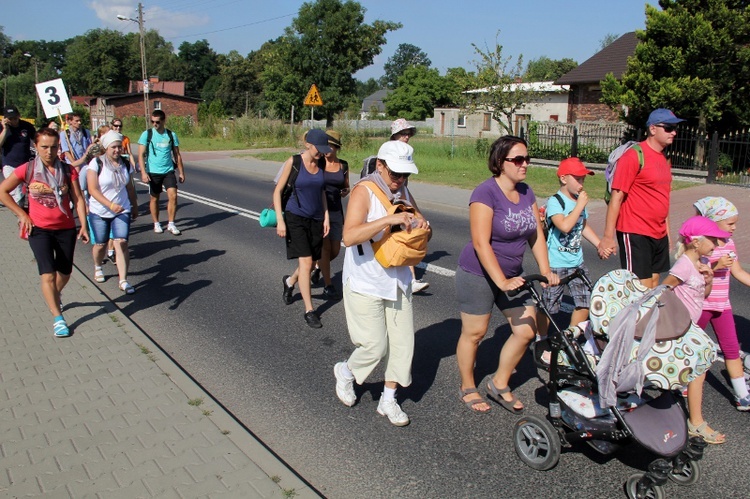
(397, 176)
(668, 128)
(519, 160)
(155, 122)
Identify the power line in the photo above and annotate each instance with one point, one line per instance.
(227, 29)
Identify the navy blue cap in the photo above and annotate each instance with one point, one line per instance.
(662, 115)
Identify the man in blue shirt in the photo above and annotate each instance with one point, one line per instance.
(158, 156)
(75, 142)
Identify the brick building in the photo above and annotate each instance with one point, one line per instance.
(584, 99)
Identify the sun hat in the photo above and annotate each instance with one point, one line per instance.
(334, 138)
(398, 156)
(662, 115)
(319, 139)
(400, 125)
(109, 138)
(10, 112)
(701, 226)
(573, 166)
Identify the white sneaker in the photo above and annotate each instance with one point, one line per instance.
(157, 228)
(173, 229)
(390, 408)
(344, 385)
(418, 285)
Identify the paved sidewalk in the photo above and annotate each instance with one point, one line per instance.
(105, 413)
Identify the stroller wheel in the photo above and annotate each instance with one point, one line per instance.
(651, 492)
(537, 443)
(690, 473)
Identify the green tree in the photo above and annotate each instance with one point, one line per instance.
(240, 88)
(94, 61)
(546, 69)
(693, 58)
(198, 63)
(419, 91)
(495, 87)
(406, 56)
(326, 44)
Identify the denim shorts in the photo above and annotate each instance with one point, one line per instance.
(104, 228)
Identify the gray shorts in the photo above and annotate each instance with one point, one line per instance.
(476, 295)
(552, 295)
(336, 220)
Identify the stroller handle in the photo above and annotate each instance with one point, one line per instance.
(530, 279)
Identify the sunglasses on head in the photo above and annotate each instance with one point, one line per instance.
(519, 160)
(667, 128)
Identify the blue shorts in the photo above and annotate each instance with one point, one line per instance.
(104, 228)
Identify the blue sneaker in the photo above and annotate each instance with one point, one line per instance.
(60, 329)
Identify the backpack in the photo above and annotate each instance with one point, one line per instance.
(397, 247)
(368, 166)
(614, 157)
(544, 220)
(149, 135)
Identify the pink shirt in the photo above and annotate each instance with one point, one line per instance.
(693, 287)
(718, 300)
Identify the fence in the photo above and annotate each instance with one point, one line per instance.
(725, 157)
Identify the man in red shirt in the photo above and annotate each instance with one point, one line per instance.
(638, 212)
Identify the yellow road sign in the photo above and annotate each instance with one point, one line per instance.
(313, 97)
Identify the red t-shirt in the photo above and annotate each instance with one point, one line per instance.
(645, 208)
(43, 209)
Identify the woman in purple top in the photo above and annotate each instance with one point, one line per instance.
(503, 217)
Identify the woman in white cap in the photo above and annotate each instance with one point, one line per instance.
(377, 300)
(304, 221)
(112, 206)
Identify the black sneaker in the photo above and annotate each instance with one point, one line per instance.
(288, 290)
(313, 320)
(329, 293)
(315, 276)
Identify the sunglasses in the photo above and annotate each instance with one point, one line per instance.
(397, 176)
(119, 125)
(668, 128)
(155, 122)
(519, 160)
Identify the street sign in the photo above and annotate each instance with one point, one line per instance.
(54, 98)
(145, 86)
(313, 97)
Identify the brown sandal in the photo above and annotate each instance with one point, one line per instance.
(496, 394)
(471, 404)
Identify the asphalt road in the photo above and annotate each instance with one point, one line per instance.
(212, 299)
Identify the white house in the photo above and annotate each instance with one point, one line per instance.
(550, 105)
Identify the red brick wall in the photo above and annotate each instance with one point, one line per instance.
(133, 106)
(584, 105)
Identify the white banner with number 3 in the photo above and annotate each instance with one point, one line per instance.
(54, 98)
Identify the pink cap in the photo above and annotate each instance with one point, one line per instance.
(701, 226)
(573, 166)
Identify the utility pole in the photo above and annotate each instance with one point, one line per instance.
(144, 72)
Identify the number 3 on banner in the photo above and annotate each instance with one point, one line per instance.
(54, 98)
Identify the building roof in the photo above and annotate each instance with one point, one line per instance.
(115, 97)
(375, 99)
(534, 86)
(611, 59)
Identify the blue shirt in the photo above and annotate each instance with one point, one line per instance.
(307, 200)
(159, 158)
(77, 145)
(564, 248)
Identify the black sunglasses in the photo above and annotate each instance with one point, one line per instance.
(155, 122)
(668, 128)
(118, 125)
(519, 160)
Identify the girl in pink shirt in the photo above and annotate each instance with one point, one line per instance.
(716, 308)
(691, 278)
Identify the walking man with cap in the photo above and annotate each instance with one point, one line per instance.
(16, 137)
(638, 212)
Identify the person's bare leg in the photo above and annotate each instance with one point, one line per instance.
(172, 204)
(123, 258)
(473, 330)
(303, 278)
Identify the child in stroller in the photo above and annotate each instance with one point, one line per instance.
(596, 396)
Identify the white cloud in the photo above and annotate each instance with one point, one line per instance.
(167, 23)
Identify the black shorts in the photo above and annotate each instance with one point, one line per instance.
(643, 255)
(477, 294)
(158, 183)
(304, 236)
(53, 249)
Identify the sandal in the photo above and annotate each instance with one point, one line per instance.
(496, 394)
(98, 274)
(711, 437)
(472, 404)
(125, 286)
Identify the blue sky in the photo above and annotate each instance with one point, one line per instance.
(444, 29)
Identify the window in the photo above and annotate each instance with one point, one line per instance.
(487, 122)
(157, 105)
(554, 117)
(461, 121)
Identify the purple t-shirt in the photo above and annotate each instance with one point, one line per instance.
(512, 226)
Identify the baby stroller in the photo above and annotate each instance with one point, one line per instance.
(585, 405)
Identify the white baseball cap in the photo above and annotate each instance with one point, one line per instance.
(398, 156)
